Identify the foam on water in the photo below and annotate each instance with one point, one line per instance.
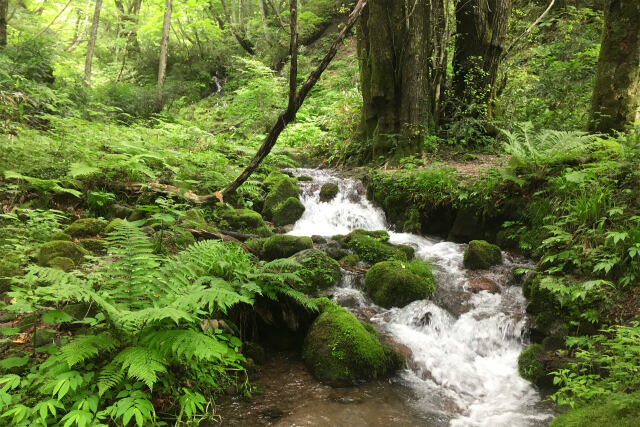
(464, 345)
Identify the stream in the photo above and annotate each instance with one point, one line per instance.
(462, 346)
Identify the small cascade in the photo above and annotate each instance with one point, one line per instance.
(464, 345)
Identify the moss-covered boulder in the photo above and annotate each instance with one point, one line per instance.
(244, 221)
(305, 178)
(61, 248)
(255, 246)
(61, 235)
(86, 227)
(113, 224)
(480, 255)
(10, 267)
(340, 349)
(284, 245)
(351, 260)
(372, 246)
(97, 246)
(615, 410)
(397, 283)
(62, 263)
(281, 188)
(328, 192)
(531, 366)
(272, 179)
(288, 212)
(318, 272)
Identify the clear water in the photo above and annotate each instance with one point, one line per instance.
(464, 346)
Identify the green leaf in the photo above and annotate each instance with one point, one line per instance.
(14, 362)
(82, 169)
(56, 316)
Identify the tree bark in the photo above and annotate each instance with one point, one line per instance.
(4, 11)
(92, 43)
(439, 54)
(164, 45)
(295, 101)
(393, 53)
(616, 94)
(481, 27)
(263, 18)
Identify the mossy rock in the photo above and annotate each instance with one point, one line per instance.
(86, 227)
(97, 246)
(540, 299)
(340, 349)
(284, 245)
(318, 272)
(351, 260)
(61, 248)
(113, 224)
(530, 365)
(254, 351)
(328, 191)
(397, 283)
(183, 238)
(193, 218)
(243, 220)
(62, 263)
(305, 178)
(288, 212)
(61, 235)
(10, 266)
(480, 255)
(256, 245)
(614, 410)
(282, 189)
(372, 246)
(272, 179)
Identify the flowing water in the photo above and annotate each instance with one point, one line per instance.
(462, 346)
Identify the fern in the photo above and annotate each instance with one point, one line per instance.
(110, 376)
(86, 347)
(186, 345)
(141, 363)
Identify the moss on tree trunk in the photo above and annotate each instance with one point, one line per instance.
(616, 95)
(393, 53)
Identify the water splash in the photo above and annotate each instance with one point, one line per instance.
(464, 345)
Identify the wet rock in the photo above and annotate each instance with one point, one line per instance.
(531, 366)
(305, 178)
(86, 227)
(467, 226)
(244, 221)
(288, 212)
(283, 246)
(372, 246)
(403, 350)
(423, 320)
(481, 254)
(479, 284)
(281, 189)
(333, 249)
(397, 283)
(318, 271)
(350, 260)
(328, 192)
(318, 240)
(339, 349)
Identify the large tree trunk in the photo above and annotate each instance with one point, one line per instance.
(164, 45)
(4, 10)
(616, 95)
(393, 53)
(92, 43)
(481, 26)
(439, 53)
(263, 18)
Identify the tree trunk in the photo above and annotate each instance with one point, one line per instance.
(616, 95)
(242, 41)
(393, 54)
(439, 53)
(164, 45)
(481, 26)
(295, 100)
(92, 43)
(4, 10)
(263, 18)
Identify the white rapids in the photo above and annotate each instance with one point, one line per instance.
(464, 346)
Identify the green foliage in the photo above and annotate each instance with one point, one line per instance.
(397, 283)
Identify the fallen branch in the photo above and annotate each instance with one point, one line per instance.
(353, 269)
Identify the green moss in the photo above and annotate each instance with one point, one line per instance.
(481, 255)
(305, 178)
(284, 245)
(541, 300)
(243, 220)
(273, 178)
(282, 189)
(328, 191)
(61, 248)
(318, 272)
(97, 246)
(61, 236)
(616, 410)
(113, 224)
(530, 366)
(264, 231)
(397, 283)
(340, 349)
(372, 246)
(351, 259)
(62, 263)
(288, 212)
(256, 245)
(10, 266)
(183, 238)
(86, 227)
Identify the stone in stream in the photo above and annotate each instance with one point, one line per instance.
(397, 283)
(372, 246)
(319, 271)
(340, 350)
(284, 245)
(481, 255)
(282, 203)
(478, 284)
(328, 192)
(245, 221)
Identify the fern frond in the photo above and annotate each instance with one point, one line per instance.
(110, 376)
(187, 344)
(86, 347)
(141, 363)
